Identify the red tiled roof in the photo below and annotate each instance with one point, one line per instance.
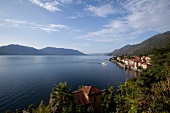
(81, 98)
(81, 95)
(85, 89)
(90, 90)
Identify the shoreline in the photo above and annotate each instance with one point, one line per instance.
(124, 66)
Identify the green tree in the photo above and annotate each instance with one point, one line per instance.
(8, 111)
(61, 97)
(30, 108)
(41, 107)
(150, 90)
(108, 100)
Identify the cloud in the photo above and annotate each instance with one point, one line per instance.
(65, 1)
(140, 17)
(85, 44)
(34, 26)
(1, 24)
(73, 17)
(77, 14)
(20, 1)
(53, 27)
(53, 5)
(50, 6)
(148, 15)
(82, 2)
(106, 35)
(14, 23)
(100, 11)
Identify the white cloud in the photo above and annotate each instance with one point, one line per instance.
(1, 24)
(101, 11)
(106, 35)
(14, 23)
(35, 26)
(21, 1)
(53, 27)
(148, 15)
(72, 17)
(65, 1)
(50, 6)
(77, 14)
(54, 5)
(80, 2)
(141, 16)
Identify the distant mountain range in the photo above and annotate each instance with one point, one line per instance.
(24, 50)
(145, 47)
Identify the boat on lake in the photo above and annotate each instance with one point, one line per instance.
(103, 63)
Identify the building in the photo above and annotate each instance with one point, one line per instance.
(119, 58)
(144, 65)
(88, 95)
(136, 64)
(126, 61)
(132, 62)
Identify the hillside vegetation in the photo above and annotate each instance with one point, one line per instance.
(149, 92)
(146, 47)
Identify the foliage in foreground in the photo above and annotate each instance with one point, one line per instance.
(62, 101)
(150, 91)
(31, 109)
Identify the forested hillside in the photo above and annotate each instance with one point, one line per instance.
(149, 92)
(146, 47)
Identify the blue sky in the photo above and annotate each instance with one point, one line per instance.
(90, 26)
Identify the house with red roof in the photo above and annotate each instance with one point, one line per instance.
(88, 95)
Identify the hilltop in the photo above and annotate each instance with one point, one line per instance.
(60, 51)
(25, 50)
(156, 42)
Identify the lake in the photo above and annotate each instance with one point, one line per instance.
(26, 80)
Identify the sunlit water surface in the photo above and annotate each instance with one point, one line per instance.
(26, 80)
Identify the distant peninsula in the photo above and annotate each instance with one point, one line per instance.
(14, 49)
(144, 48)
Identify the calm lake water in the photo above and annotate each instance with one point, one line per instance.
(26, 80)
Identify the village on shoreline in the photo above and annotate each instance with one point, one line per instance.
(135, 63)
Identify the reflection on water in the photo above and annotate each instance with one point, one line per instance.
(27, 80)
(131, 73)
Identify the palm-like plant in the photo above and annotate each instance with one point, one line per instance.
(60, 97)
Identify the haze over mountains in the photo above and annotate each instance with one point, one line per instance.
(158, 41)
(24, 50)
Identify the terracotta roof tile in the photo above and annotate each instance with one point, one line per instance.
(81, 95)
(90, 90)
(81, 98)
(94, 90)
(85, 89)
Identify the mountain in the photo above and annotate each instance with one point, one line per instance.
(60, 51)
(18, 50)
(24, 50)
(156, 42)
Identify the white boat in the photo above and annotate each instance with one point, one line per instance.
(103, 63)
